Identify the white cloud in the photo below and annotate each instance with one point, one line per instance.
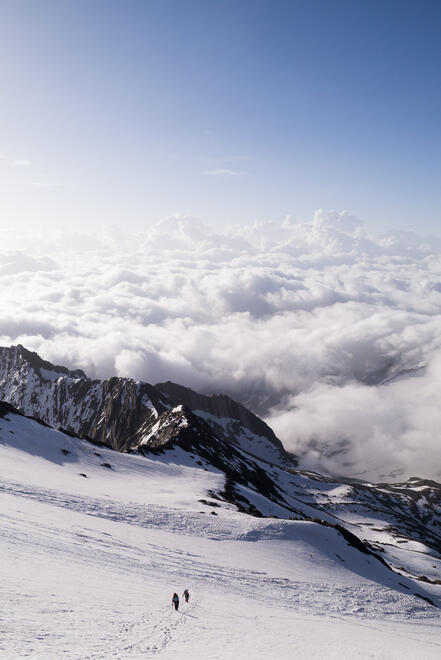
(368, 432)
(46, 185)
(21, 162)
(223, 171)
(304, 321)
(20, 262)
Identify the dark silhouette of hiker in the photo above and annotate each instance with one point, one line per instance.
(175, 601)
(186, 595)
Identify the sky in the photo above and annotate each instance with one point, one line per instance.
(122, 113)
(241, 197)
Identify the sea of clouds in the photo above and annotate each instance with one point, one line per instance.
(331, 333)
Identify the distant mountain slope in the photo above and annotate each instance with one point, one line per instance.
(125, 414)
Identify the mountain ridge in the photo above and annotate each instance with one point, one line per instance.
(122, 413)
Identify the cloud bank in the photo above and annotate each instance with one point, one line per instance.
(331, 333)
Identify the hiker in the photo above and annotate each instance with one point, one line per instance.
(175, 601)
(186, 595)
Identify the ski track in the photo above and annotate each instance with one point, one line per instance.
(111, 552)
(99, 530)
(144, 636)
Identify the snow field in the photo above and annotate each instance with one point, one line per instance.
(78, 586)
(88, 567)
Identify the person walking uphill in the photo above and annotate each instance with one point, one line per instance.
(186, 595)
(175, 601)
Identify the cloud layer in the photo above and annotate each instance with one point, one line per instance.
(331, 333)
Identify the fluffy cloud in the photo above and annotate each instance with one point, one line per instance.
(330, 332)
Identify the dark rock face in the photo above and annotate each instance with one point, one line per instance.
(125, 414)
(6, 408)
(113, 412)
(221, 407)
(218, 405)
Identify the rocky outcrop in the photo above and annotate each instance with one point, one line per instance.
(231, 421)
(125, 414)
(114, 412)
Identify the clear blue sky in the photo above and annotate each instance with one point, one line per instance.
(123, 112)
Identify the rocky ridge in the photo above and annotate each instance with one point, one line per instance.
(125, 414)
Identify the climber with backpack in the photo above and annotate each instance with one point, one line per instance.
(175, 601)
(186, 595)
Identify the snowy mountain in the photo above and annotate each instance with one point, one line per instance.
(259, 477)
(94, 542)
(126, 414)
(171, 511)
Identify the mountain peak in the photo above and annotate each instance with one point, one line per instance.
(19, 353)
(125, 414)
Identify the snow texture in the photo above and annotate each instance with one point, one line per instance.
(93, 544)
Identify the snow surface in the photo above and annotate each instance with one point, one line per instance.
(88, 565)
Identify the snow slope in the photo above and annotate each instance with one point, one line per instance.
(88, 565)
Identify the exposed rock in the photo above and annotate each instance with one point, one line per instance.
(125, 414)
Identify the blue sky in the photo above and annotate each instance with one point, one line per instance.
(232, 111)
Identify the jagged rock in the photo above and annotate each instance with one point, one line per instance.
(125, 414)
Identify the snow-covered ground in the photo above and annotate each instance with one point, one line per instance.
(88, 565)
